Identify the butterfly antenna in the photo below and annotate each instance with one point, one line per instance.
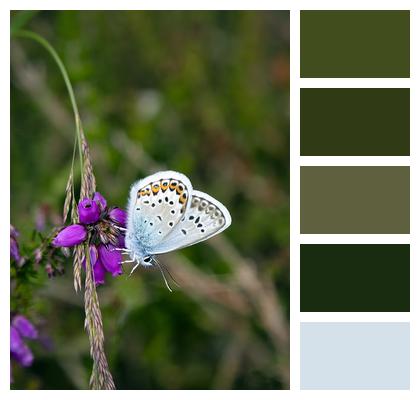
(173, 279)
(167, 271)
(163, 275)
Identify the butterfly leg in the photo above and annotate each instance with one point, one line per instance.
(126, 261)
(138, 263)
(120, 249)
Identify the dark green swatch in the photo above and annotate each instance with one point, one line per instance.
(355, 277)
(355, 200)
(355, 44)
(355, 122)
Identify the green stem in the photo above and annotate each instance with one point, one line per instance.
(39, 39)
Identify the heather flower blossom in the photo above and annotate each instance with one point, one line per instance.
(89, 211)
(24, 327)
(21, 328)
(103, 227)
(99, 270)
(119, 216)
(100, 200)
(70, 236)
(14, 246)
(111, 259)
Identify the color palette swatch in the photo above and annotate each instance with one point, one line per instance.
(355, 199)
(355, 355)
(352, 184)
(355, 122)
(355, 44)
(355, 277)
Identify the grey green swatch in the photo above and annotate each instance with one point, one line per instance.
(355, 200)
(355, 44)
(355, 122)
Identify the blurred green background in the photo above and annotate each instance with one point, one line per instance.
(203, 93)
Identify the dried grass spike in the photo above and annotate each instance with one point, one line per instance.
(101, 377)
(69, 196)
(74, 212)
(88, 186)
(77, 268)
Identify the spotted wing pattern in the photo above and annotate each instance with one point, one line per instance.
(159, 206)
(204, 218)
(156, 204)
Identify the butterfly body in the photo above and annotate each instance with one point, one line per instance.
(166, 214)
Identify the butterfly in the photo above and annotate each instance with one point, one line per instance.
(165, 213)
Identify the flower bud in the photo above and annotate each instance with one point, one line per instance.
(24, 327)
(14, 247)
(49, 270)
(38, 255)
(110, 259)
(70, 236)
(99, 273)
(119, 216)
(18, 349)
(89, 211)
(98, 269)
(100, 200)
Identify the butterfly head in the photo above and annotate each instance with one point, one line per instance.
(147, 261)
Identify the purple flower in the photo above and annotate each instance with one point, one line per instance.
(89, 211)
(99, 272)
(13, 232)
(98, 269)
(100, 200)
(37, 255)
(121, 241)
(49, 270)
(119, 216)
(14, 247)
(70, 236)
(20, 328)
(24, 327)
(19, 350)
(111, 259)
(103, 225)
(15, 340)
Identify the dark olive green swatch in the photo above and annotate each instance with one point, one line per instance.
(355, 44)
(354, 277)
(355, 122)
(355, 200)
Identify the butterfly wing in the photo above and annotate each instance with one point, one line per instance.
(203, 218)
(157, 204)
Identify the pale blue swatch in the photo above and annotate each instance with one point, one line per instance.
(355, 355)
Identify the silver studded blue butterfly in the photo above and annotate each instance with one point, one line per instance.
(166, 214)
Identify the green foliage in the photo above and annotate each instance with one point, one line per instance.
(204, 93)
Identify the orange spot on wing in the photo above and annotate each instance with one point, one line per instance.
(183, 198)
(164, 185)
(155, 188)
(179, 189)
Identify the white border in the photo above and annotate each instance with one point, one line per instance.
(294, 6)
(354, 82)
(354, 161)
(294, 199)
